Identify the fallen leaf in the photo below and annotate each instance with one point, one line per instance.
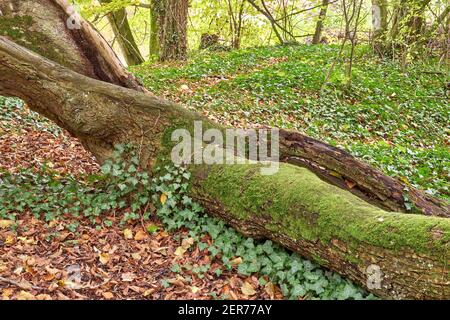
(6, 224)
(128, 276)
(69, 284)
(7, 293)
(187, 243)
(236, 261)
(247, 289)
(104, 258)
(107, 295)
(24, 295)
(270, 289)
(44, 297)
(136, 256)
(163, 198)
(350, 184)
(180, 251)
(10, 239)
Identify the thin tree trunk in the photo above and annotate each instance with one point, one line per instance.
(379, 25)
(122, 31)
(319, 25)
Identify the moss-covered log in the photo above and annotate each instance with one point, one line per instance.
(293, 207)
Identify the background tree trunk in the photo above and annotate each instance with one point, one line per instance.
(124, 36)
(319, 25)
(293, 207)
(42, 26)
(379, 24)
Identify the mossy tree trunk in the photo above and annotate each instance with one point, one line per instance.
(124, 36)
(308, 213)
(154, 29)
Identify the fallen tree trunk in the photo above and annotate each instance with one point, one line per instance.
(294, 207)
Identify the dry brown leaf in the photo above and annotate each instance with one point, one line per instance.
(24, 295)
(187, 243)
(107, 295)
(128, 276)
(163, 198)
(6, 224)
(270, 289)
(180, 251)
(7, 293)
(136, 256)
(350, 184)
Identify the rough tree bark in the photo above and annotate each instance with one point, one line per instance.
(294, 207)
(124, 36)
(154, 29)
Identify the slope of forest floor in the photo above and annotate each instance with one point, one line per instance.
(393, 118)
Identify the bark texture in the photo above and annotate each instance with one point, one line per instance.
(293, 207)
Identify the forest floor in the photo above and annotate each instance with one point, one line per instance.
(393, 118)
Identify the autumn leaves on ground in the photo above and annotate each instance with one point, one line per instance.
(71, 258)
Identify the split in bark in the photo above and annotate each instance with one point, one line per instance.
(42, 26)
